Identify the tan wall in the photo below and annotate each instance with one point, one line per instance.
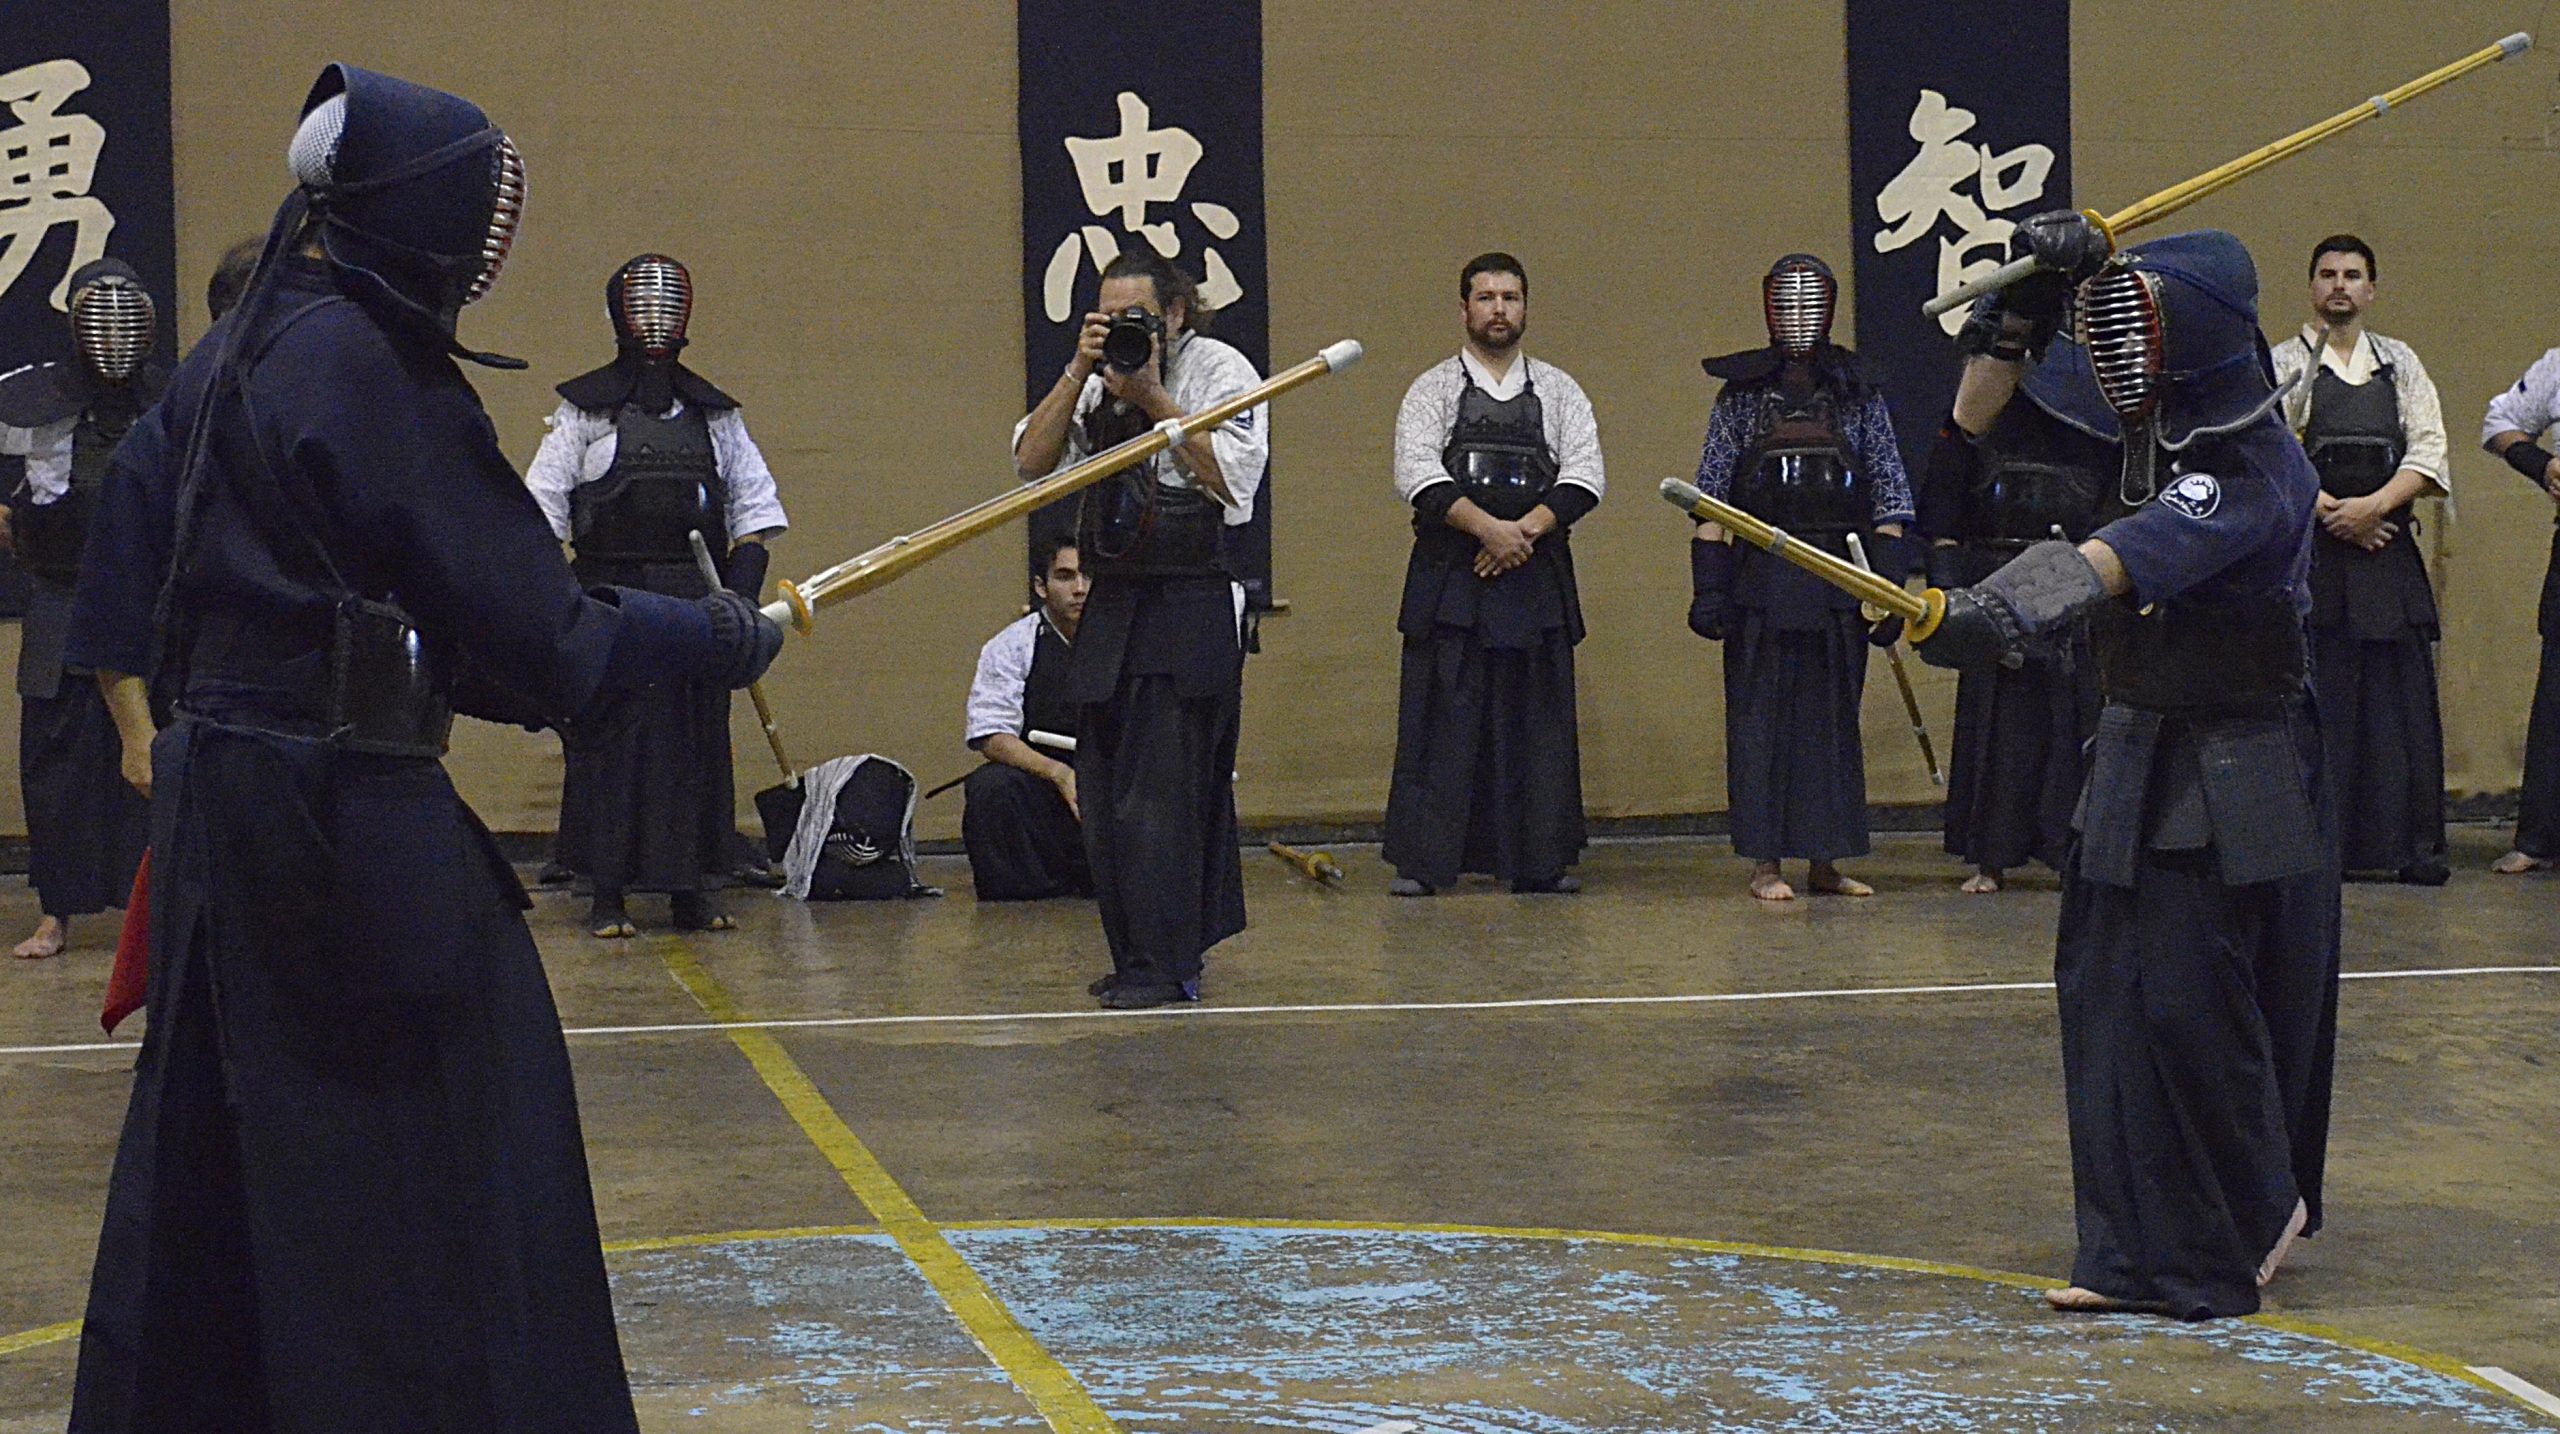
(843, 180)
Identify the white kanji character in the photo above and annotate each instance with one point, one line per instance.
(47, 162)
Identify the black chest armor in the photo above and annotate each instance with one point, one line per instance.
(1045, 705)
(1497, 450)
(2244, 657)
(1797, 474)
(664, 485)
(2354, 433)
(2036, 475)
(1130, 525)
(2355, 442)
(50, 535)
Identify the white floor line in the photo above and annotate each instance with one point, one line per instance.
(2522, 1388)
(1708, 998)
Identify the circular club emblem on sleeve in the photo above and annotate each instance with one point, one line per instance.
(2195, 494)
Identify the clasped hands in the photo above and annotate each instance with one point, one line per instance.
(2361, 521)
(1507, 543)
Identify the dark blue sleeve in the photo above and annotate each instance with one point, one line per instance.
(2199, 527)
(126, 557)
(445, 521)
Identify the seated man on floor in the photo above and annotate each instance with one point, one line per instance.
(1021, 827)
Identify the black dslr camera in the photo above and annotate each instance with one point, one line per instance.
(1131, 339)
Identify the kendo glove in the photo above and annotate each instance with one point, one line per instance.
(2017, 323)
(741, 632)
(2038, 591)
(2068, 243)
(748, 563)
(1710, 588)
(1977, 632)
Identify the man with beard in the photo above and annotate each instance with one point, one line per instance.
(1158, 671)
(642, 454)
(86, 825)
(2024, 453)
(351, 1192)
(1499, 454)
(2196, 963)
(1798, 439)
(2367, 414)
(1021, 826)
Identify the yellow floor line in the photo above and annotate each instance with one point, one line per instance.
(1051, 1389)
(647, 1244)
(41, 1334)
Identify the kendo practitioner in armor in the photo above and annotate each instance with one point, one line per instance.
(2514, 428)
(1799, 439)
(2368, 415)
(1158, 671)
(2197, 961)
(1499, 454)
(1021, 826)
(59, 422)
(350, 1192)
(2022, 458)
(642, 454)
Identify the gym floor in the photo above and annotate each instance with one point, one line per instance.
(1649, 1158)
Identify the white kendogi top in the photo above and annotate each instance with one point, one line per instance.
(1200, 371)
(2422, 436)
(580, 448)
(48, 454)
(1431, 409)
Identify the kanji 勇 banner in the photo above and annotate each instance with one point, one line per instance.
(84, 172)
(1142, 124)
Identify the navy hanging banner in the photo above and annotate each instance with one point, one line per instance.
(1142, 124)
(1951, 142)
(84, 173)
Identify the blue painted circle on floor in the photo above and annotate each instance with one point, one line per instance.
(1200, 1329)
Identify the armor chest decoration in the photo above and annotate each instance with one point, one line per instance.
(51, 535)
(1497, 450)
(1797, 474)
(664, 485)
(2354, 433)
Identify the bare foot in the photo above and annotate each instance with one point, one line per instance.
(1981, 883)
(2284, 1243)
(2079, 1301)
(1768, 885)
(52, 934)
(2516, 863)
(1828, 880)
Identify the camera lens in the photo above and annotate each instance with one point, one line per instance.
(1130, 340)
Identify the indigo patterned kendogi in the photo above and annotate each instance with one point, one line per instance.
(1799, 439)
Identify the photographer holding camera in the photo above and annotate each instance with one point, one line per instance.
(1158, 670)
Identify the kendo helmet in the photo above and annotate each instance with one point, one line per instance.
(650, 299)
(2171, 332)
(412, 185)
(113, 321)
(1799, 298)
